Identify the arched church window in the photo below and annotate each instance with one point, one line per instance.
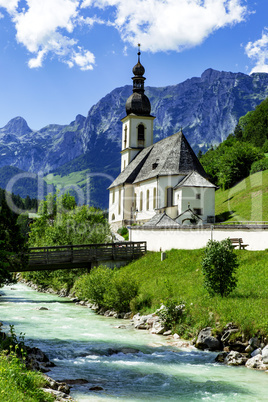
(113, 217)
(147, 200)
(169, 196)
(119, 202)
(141, 138)
(141, 201)
(125, 137)
(154, 202)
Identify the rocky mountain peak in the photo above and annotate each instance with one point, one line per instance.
(17, 126)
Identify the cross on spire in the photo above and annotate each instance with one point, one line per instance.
(139, 52)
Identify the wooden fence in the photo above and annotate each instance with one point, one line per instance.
(82, 256)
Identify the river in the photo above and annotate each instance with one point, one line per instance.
(81, 344)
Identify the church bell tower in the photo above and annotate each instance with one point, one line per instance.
(137, 126)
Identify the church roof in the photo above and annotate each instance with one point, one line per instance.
(194, 179)
(171, 156)
(161, 220)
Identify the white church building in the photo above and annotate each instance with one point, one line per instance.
(161, 181)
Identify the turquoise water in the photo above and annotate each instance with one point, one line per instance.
(81, 344)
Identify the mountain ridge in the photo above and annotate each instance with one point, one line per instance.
(206, 107)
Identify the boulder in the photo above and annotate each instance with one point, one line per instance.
(140, 321)
(265, 355)
(254, 343)
(235, 359)
(257, 363)
(220, 358)
(206, 341)
(256, 352)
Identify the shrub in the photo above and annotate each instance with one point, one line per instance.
(93, 286)
(120, 292)
(259, 166)
(123, 231)
(219, 265)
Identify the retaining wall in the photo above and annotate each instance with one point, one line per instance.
(197, 237)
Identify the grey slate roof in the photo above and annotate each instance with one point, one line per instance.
(171, 156)
(161, 220)
(194, 179)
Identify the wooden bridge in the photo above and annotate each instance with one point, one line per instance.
(82, 256)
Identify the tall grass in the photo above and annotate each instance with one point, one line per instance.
(17, 384)
(180, 277)
(245, 201)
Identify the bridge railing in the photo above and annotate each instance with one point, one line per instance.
(85, 253)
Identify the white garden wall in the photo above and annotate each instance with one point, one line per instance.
(194, 238)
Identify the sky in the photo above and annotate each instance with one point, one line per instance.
(60, 57)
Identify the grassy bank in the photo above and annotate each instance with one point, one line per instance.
(245, 201)
(17, 384)
(180, 274)
(180, 277)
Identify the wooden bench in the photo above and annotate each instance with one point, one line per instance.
(238, 242)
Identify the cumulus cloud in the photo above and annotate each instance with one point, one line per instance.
(258, 51)
(9, 5)
(46, 27)
(162, 25)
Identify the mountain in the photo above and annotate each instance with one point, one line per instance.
(22, 183)
(206, 107)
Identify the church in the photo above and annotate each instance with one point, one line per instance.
(158, 181)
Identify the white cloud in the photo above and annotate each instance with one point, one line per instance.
(258, 51)
(162, 25)
(9, 5)
(47, 27)
(84, 59)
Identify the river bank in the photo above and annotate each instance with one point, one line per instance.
(233, 347)
(126, 364)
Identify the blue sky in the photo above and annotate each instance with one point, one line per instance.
(59, 57)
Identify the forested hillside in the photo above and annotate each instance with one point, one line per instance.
(243, 152)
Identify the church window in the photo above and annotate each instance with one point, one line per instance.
(135, 202)
(113, 217)
(147, 200)
(119, 202)
(113, 196)
(154, 200)
(125, 137)
(198, 211)
(169, 196)
(141, 138)
(141, 201)
(198, 196)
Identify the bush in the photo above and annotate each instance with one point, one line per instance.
(120, 292)
(94, 285)
(219, 266)
(108, 288)
(259, 166)
(123, 231)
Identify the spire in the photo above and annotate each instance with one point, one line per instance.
(138, 103)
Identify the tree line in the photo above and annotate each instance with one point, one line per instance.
(242, 153)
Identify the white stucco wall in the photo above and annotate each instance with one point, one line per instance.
(190, 239)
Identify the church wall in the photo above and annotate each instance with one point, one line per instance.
(163, 183)
(115, 204)
(200, 199)
(146, 198)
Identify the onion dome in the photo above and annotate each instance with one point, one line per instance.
(138, 69)
(138, 103)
